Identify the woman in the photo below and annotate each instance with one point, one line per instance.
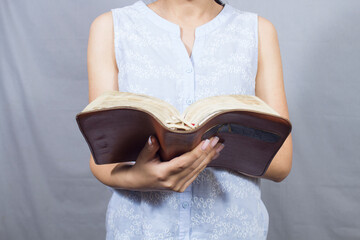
(181, 51)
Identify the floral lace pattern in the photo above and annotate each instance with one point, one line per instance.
(151, 58)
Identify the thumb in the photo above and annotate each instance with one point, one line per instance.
(149, 150)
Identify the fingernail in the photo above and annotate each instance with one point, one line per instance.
(149, 141)
(214, 141)
(205, 144)
(216, 156)
(220, 148)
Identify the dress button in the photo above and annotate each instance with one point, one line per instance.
(189, 70)
(189, 101)
(185, 204)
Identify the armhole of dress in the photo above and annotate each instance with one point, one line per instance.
(256, 30)
(116, 35)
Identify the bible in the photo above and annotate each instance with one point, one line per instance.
(116, 126)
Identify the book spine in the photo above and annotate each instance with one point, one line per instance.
(179, 123)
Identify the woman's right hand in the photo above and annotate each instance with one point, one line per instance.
(150, 174)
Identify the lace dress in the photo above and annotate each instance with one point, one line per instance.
(151, 58)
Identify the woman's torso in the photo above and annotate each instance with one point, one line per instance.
(153, 60)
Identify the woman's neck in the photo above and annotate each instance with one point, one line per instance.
(186, 12)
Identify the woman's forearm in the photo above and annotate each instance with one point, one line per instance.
(280, 166)
(113, 175)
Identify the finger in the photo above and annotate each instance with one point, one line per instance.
(216, 156)
(210, 148)
(188, 159)
(186, 179)
(189, 181)
(150, 149)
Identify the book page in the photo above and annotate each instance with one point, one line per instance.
(163, 110)
(204, 108)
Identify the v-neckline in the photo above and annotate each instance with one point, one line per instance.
(175, 29)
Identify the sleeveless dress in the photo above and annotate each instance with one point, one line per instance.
(151, 58)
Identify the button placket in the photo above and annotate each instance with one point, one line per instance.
(185, 210)
(188, 72)
(191, 81)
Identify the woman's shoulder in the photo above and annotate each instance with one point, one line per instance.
(101, 36)
(105, 21)
(102, 19)
(106, 18)
(102, 22)
(241, 12)
(266, 29)
(263, 23)
(127, 11)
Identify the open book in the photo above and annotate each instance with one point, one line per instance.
(116, 126)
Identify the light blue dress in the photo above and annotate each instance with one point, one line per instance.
(151, 58)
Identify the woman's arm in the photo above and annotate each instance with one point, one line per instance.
(102, 75)
(270, 88)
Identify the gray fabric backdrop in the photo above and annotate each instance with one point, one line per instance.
(47, 189)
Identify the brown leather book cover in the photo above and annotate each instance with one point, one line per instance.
(116, 126)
